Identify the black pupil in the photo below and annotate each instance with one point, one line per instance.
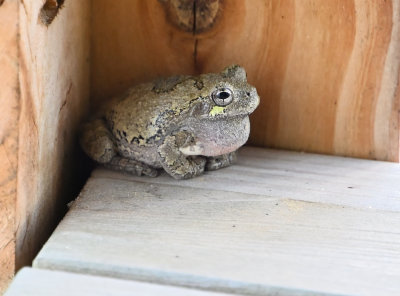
(223, 95)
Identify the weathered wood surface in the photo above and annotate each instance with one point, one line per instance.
(277, 222)
(44, 91)
(327, 71)
(33, 282)
(309, 177)
(54, 90)
(9, 115)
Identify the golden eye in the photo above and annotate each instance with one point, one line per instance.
(222, 96)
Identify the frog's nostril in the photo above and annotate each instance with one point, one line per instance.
(248, 94)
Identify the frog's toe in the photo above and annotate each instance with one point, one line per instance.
(221, 161)
(131, 166)
(150, 172)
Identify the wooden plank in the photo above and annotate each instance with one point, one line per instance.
(9, 115)
(44, 90)
(48, 283)
(327, 71)
(143, 43)
(343, 181)
(237, 240)
(54, 90)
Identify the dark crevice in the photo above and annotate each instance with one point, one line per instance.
(1, 2)
(194, 17)
(195, 54)
(194, 33)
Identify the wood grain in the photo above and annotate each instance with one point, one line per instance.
(215, 233)
(33, 282)
(306, 177)
(132, 42)
(327, 71)
(54, 89)
(44, 91)
(9, 114)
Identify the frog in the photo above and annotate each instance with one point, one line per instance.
(183, 124)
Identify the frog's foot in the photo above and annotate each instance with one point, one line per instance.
(96, 141)
(221, 161)
(177, 164)
(131, 166)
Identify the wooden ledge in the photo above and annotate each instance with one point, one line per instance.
(34, 281)
(277, 222)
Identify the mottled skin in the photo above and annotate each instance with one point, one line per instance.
(174, 124)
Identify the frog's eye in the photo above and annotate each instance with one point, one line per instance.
(222, 96)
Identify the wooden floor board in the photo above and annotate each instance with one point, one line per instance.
(310, 177)
(242, 229)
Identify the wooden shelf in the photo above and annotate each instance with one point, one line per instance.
(277, 222)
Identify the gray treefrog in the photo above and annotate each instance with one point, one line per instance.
(182, 124)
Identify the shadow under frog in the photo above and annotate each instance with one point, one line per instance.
(182, 124)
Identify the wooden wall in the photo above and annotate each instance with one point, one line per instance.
(54, 86)
(44, 91)
(9, 112)
(327, 71)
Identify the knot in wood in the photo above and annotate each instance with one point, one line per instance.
(50, 10)
(195, 16)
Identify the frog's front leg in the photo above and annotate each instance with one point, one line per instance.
(221, 161)
(175, 162)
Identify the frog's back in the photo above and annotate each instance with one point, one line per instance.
(145, 112)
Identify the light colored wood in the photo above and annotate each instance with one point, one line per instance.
(44, 91)
(9, 115)
(133, 42)
(228, 231)
(54, 90)
(33, 282)
(327, 71)
(339, 181)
